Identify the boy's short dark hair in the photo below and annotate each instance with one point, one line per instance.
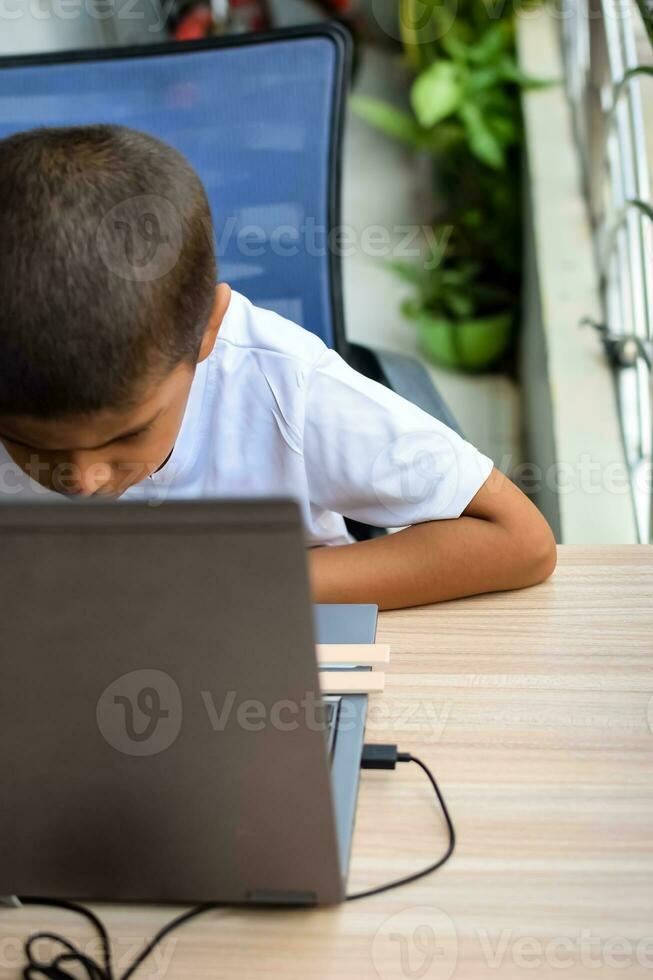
(107, 267)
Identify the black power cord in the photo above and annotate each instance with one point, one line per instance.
(57, 968)
(386, 757)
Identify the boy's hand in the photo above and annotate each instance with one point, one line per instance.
(501, 541)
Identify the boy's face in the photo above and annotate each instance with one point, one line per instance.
(107, 452)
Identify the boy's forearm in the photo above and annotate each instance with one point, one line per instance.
(422, 564)
(500, 542)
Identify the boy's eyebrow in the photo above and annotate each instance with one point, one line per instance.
(123, 435)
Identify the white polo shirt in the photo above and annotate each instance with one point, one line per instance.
(273, 412)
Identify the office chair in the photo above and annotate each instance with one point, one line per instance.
(260, 117)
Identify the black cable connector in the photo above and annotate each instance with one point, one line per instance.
(382, 757)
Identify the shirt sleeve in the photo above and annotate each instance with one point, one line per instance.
(374, 457)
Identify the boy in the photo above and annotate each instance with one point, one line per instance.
(129, 373)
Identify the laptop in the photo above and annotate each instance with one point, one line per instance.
(164, 737)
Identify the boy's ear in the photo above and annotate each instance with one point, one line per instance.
(220, 305)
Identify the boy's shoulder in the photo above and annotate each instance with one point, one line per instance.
(252, 328)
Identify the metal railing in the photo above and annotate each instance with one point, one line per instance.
(608, 56)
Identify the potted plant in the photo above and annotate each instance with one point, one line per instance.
(466, 113)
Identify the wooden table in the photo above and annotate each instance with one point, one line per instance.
(535, 711)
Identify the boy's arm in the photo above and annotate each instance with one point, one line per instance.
(501, 541)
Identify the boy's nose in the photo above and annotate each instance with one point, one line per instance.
(85, 477)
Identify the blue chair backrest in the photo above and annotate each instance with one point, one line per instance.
(259, 117)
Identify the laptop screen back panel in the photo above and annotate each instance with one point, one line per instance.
(161, 740)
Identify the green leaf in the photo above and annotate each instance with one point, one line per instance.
(483, 78)
(455, 48)
(411, 308)
(490, 46)
(393, 122)
(461, 274)
(509, 71)
(445, 139)
(472, 217)
(506, 130)
(483, 143)
(410, 272)
(460, 303)
(436, 93)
